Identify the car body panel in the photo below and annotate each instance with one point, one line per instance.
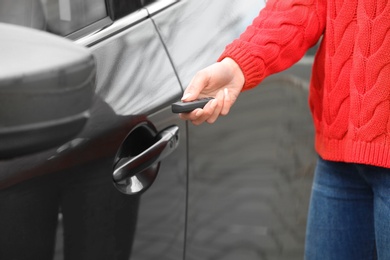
(132, 89)
(136, 84)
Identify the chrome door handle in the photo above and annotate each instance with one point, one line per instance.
(133, 173)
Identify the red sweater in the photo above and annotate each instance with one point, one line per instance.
(350, 85)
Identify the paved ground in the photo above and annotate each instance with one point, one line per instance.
(252, 200)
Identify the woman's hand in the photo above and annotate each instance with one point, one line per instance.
(223, 81)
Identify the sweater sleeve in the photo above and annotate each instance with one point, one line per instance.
(277, 38)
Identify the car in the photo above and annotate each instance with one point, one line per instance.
(92, 155)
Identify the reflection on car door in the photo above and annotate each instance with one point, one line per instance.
(136, 79)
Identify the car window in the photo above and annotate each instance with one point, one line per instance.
(61, 17)
(146, 2)
(22, 12)
(66, 16)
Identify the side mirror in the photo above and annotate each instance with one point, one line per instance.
(46, 89)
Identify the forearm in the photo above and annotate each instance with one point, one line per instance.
(277, 38)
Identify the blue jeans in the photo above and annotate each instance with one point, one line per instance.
(349, 214)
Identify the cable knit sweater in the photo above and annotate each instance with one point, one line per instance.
(350, 85)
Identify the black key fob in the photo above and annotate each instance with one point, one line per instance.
(186, 107)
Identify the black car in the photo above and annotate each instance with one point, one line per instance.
(94, 164)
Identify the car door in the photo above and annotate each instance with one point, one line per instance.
(129, 162)
(250, 172)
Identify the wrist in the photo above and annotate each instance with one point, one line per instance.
(238, 75)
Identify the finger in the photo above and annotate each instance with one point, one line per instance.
(194, 115)
(197, 84)
(204, 114)
(227, 103)
(200, 119)
(216, 107)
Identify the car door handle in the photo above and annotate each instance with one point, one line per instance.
(135, 168)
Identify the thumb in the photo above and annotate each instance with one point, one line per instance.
(197, 84)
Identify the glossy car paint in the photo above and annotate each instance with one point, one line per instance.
(64, 80)
(136, 80)
(243, 192)
(135, 86)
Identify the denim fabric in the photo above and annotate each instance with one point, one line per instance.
(349, 214)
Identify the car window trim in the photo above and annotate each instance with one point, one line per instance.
(159, 6)
(90, 29)
(114, 28)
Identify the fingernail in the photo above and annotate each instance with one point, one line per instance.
(187, 95)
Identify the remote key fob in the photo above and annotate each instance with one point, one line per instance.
(186, 107)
